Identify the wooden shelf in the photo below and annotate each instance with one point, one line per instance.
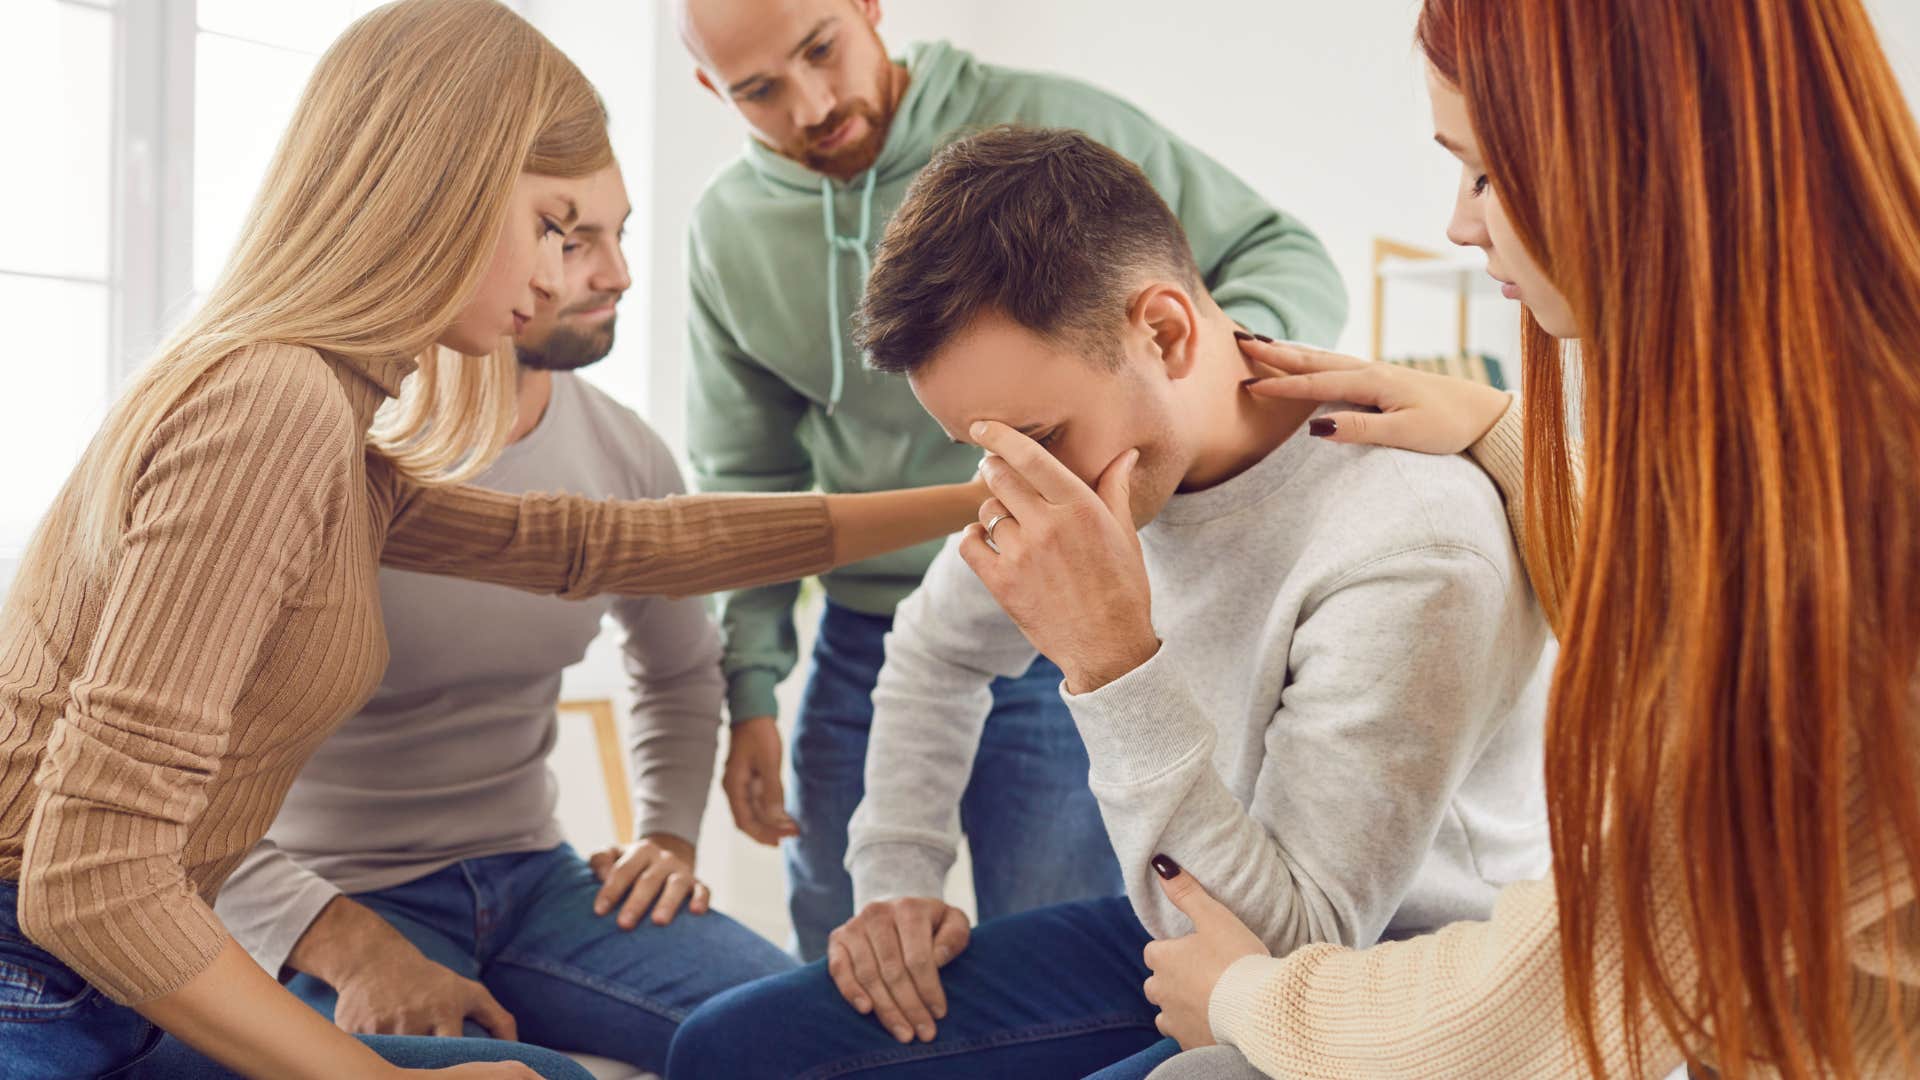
(1463, 273)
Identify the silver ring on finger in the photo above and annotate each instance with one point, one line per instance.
(991, 523)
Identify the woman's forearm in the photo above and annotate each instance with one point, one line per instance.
(236, 1014)
(867, 525)
(576, 547)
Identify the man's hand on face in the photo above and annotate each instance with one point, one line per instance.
(1065, 559)
(633, 876)
(887, 959)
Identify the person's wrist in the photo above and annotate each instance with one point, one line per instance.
(345, 942)
(1122, 656)
(672, 844)
(1489, 410)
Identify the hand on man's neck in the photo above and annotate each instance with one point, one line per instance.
(1238, 429)
(535, 391)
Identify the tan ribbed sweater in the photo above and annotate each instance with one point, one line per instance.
(1484, 1000)
(153, 716)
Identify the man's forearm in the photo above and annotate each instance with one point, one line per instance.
(346, 937)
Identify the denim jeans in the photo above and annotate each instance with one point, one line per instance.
(1054, 992)
(523, 926)
(54, 1026)
(1030, 820)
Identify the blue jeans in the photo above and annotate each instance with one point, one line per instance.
(523, 926)
(1054, 992)
(54, 1026)
(1031, 822)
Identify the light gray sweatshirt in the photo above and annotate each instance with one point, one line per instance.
(448, 761)
(1340, 736)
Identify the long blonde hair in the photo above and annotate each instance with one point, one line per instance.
(376, 220)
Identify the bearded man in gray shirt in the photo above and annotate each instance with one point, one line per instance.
(416, 881)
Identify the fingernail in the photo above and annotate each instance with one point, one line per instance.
(1166, 867)
(599, 909)
(903, 1035)
(864, 1006)
(926, 1033)
(1322, 426)
(1242, 335)
(1245, 383)
(941, 956)
(1263, 339)
(1133, 457)
(978, 429)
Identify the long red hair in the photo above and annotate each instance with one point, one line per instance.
(1727, 192)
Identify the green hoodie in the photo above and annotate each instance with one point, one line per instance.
(779, 398)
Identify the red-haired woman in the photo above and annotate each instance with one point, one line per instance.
(1721, 200)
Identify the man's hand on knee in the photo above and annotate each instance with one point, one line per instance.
(386, 985)
(411, 995)
(886, 961)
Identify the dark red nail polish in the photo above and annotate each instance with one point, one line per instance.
(1322, 426)
(1264, 339)
(1166, 867)
(1244, 383)
(1242, 335)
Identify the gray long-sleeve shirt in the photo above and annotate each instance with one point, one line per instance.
(1340, 735)
(448, 761)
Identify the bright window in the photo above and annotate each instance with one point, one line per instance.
(54, 253)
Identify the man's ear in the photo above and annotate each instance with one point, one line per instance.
(869, 10)
(1166, 315)
(700, 76)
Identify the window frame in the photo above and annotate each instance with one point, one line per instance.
(150, 187)
(150, 193)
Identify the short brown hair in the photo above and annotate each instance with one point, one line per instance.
(1043, 225)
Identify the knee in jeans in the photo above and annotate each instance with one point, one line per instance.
(714, 1039)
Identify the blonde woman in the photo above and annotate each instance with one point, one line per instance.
(199, 607)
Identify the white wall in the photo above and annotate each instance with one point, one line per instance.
(1899, 24)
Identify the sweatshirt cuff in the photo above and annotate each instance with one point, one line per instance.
(678, 819)
(1139, 725)
(750, 694)
(893, 870)
(1234, 1012)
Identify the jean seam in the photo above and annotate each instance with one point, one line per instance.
(880, 1058)
(588, 981)
(34, 982)
(47, 1011)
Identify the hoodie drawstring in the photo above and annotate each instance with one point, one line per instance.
(836, 244)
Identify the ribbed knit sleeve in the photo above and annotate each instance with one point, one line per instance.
(228, 515)
(1486, 999)
(1500, 453)
(574, 547)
